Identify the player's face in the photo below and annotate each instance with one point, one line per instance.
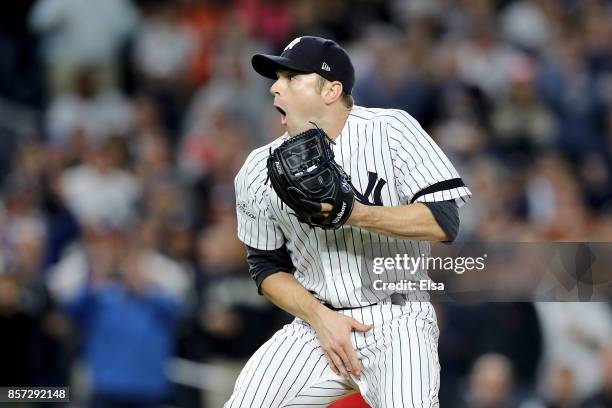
(298, 99)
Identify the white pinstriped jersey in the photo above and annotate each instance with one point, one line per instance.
(390, 159)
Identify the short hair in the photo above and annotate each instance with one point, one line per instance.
(347, 98)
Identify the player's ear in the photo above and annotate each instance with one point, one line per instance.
(332, 91)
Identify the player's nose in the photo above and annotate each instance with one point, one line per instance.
(275, 88)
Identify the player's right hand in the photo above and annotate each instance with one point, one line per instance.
(334, 332)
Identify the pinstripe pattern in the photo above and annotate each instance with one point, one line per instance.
(390, 159)
(399, 364)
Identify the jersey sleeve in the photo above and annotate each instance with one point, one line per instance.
(422, 170)
(255, 226)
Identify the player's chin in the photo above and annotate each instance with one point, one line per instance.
(294, 128)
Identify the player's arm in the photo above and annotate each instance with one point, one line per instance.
(428, 184)
(435, 221)
(272, 272)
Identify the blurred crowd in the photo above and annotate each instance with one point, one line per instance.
(123, 124)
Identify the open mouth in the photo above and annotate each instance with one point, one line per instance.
(283, 114)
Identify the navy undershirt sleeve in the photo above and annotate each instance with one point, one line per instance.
(446, 214)
(263, 263)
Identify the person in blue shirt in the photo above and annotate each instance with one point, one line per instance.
(128, 328)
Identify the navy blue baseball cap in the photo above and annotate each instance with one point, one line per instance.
(310, 54)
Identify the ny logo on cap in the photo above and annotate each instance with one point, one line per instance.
(292, 43)
(325, 67)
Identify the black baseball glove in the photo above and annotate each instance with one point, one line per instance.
(304, 174)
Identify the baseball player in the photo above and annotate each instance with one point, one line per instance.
(405, 191)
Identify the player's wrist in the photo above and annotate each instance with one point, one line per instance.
(315, 314)
(358, 215)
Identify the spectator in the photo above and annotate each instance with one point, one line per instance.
(553, 191)
(522, 123)
(95, 112)
(526, 24)
(574, 341)
(20, 215)
(484, 62)
(162, 45)
(393, 80)
(231, 87)
(77, 33)
(98, 192)
(576, 100)
(559, 391)
(30, 349)
(70, 274)
(490, 383)
(207, 21)
(210, 158)
(162, 49)
(154, 161)
(160, 269)
(128, 325)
